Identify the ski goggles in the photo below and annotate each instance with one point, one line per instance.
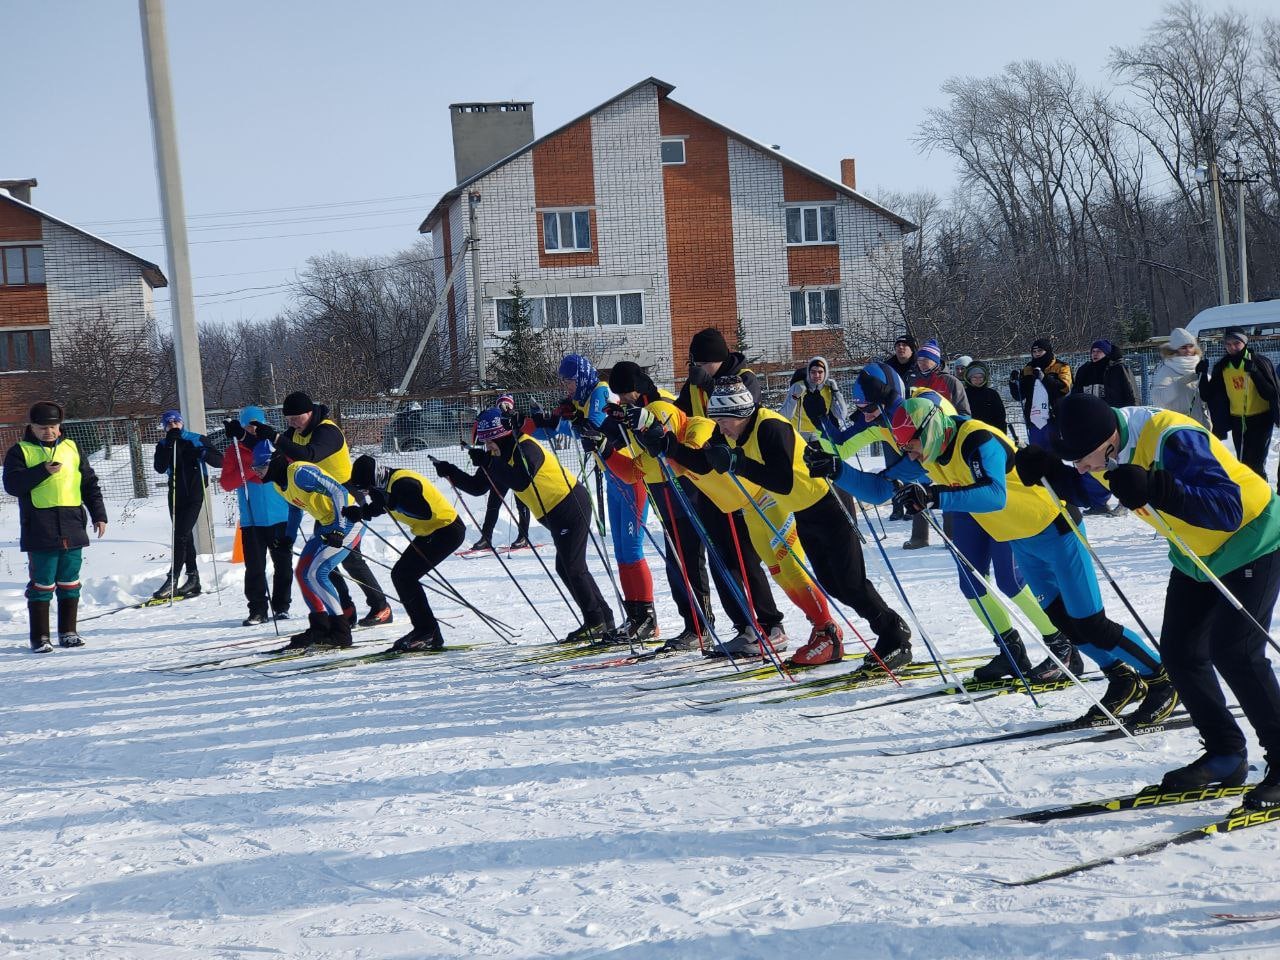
(904, 429)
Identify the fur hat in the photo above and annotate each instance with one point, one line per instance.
(46, 413)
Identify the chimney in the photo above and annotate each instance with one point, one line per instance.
(484, 133)
(19, 189)
(849, 173)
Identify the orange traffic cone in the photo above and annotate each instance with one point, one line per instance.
(237, 548)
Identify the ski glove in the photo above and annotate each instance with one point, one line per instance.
(1033, 464)
(700, 378)
(915, 498)
(797, 389)
(233, 430)
(264, 431)
(173, 435)
(1136, 487)
(354, 513)
(479, 455)
(822, 463)
(334, 538)
(656, 441)
(640, 418)
(721, 457)
(814, 407)
(614, 429)
(444, 468)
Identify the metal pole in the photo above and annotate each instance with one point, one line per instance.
(1240, 243)
(186, 343)
(1224, 294)
(477, 304)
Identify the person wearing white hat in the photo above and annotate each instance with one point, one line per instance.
(1175, 383)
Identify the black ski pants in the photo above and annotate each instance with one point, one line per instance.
(683, 537)
(491, 510)
(421, 556)
(1252, 439)
(184, 514)
(836, 557)
(257, 543)
(1203, 632)
(716, 522)
(570, 524)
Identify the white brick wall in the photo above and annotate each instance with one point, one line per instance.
(870, 277)
(760, 251)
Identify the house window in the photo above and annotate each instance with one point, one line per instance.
(580, 310)
(566, 231)
(20, 266)
(25, 350)
(811, 224)
(672, 150)
(815, 308)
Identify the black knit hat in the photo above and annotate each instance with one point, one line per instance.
(1236, 333)
(908, 339)
(627, 376)
(363, 470)
(46, 413)
(296, 404)
(1085, 423)
(1044, 343)
(708, 346)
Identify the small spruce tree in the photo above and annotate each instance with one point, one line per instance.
(522, 361)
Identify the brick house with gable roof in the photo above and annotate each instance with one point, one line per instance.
(643, 221)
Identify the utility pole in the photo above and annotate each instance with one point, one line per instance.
(1215, 187)
(1240, 242)
(186, 343)
(477, 305)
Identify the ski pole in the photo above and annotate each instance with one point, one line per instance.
(1163, 526)
(812, 576)
(508, 572)
(1098, 560)
(1013, 611)
(173, 513)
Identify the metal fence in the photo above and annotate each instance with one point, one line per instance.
(407, 434)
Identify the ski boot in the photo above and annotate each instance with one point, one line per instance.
(68, 607)
(520, 543)
(1000, 666)
(339, 633)
(38, 617)
(743, 644)
(825, 645)
(166, 588)
(588, 633)
(421, 641)
(686, 641)
(1160, 701)
(641, 623)
(375, 618)
(281, 614)
(481, 544)
(190, 586)
(1123, 687)
(1047, 670)
(254, 618)
(316, 632)
(778, 639)
(349, 611)
(1267, 793)
(1223, 769)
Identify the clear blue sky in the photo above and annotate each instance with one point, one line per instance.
(317, 104)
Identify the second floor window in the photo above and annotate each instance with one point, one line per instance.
(566, 231)
(815, 308)
(577, 310)
(22, 350)
(20, 266)
(811, 224)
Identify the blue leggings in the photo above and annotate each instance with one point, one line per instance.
(1057, 566)
(317, 562)
(628, 534)
(984, 552)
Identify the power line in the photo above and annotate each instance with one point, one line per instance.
(151, 231)
(278, 236)
(241, 213)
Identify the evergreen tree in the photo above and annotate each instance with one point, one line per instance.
(523, 360)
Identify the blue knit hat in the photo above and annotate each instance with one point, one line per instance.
(930, 351)
(1104, 345)
(580, 370)
(250, 415)
(492, 425)
(170, 416)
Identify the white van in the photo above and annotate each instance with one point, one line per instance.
(1256, 319)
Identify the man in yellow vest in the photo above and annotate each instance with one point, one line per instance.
(53, 486)
(414, 503)
(1164, 462)
(313, 437)
(1243, 398)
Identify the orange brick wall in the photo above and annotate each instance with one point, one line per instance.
(23, 306)
(819, 342)
(18, 224)
(18, 391)
(814, 266)
(798, 187)
(564, 176)
(703, 286)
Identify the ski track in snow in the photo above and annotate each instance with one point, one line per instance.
(434, 807)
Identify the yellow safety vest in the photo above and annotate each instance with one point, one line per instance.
(61, 489)
(1027, 510)
(338, 463)
(442, 513)
(805, 490)
(802, 421)
(316, 503)
(1242, 393)
(696, 433)
(551, 483)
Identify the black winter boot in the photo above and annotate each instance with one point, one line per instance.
(316, 632)
(38, 618)
(190, 586)
(1000, 665)
(165, 588)
(68, 607)
(339, 632)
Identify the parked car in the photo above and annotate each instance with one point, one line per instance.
(421, 425)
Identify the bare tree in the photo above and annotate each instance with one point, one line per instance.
(104, 366)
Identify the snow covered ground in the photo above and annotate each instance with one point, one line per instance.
(440, 807)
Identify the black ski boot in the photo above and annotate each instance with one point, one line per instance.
(1000, 666)
(190, 586)
(165, 588)
(893, 646)
(420, 641)
(254, 618)
(687, 640)
(743, 643)
(1047, 669)
(1124, 686)
(482, 544)
(520, 543)
(641, 623)
(1267, 793)
(317, 632)
(38, 618)
(588, 633)
(1225, 769)
(339, 633)
(68, 607)
(1160, 701)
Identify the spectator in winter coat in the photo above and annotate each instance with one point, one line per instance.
(53, 486)
(903, 358)
(493, 506)
(1106, 375)
(1241, 394)
(185, 457)
(1038, 387)
(264, 516)
(929, 374)
(1174, 383)
(985, 403)
(812, 398)
(312, 437)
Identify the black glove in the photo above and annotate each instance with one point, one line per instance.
(264, 431)
(656, 441)
(700, 378)
(333, 538)
(233, 430)
(1136, 487)
(173, 435)
(615, 430)
(876, 392)
(478, 455)
(1202, 366)
(354, 513)
(915, 498)
(444, 468)
(822, 463)
(1033, 464)
(721, 457)
(639, 418)
(1039, 373)
(814, 407)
